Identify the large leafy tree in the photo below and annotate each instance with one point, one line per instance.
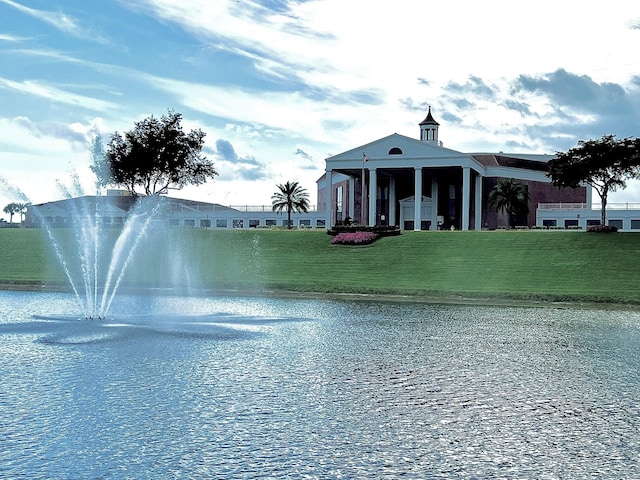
(605, 164)
(511, 197)
(290, 197)
(156, 156)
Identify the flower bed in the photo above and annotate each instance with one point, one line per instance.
(380, 230)
(354, 238)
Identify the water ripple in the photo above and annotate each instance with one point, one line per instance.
(313, 389)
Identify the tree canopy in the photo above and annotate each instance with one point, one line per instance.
(290, 197)
(15, 207)
(511, 197)
(156, 156)
(605, 164)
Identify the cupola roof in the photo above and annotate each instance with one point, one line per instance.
(429, 120)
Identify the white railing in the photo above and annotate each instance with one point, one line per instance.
(262, 208)
(223, 208)
(563, 206)
(586, 206)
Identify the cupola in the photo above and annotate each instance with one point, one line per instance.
(429, 129)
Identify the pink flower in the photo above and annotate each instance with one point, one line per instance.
(354, 238)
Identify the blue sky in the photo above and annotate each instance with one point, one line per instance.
(280, 85)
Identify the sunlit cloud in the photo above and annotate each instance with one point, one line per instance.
(58, 20)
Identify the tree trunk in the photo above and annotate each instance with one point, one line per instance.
(603, 200)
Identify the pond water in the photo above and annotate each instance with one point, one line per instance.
(231, 387)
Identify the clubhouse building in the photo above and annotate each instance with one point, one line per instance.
(418, 184)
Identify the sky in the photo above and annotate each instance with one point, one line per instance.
(280, 85)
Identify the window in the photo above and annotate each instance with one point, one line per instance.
(174, 222)
(271, 222)
(305, 223)
(320, 223)
(238, 223)
(221, 223)
(635, 224)
(616, 223)
(189, 222)
(287, 223)
(570, 223)
(254, 223)
(205, 223)
(592, 222)
(339, 193)
(395, 151)
(549, 223)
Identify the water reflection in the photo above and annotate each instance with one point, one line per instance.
(268, 388)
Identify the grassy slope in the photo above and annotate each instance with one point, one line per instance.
(555, 265)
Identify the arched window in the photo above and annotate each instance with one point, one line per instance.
(395, 151)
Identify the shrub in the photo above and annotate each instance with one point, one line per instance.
(354, 238)
(380, 230)
(602, 228)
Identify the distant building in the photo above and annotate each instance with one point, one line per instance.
(113, 209)
(418, 184)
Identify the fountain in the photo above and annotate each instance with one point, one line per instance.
(93, 255)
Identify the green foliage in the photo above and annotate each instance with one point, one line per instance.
(511, 197)
(290, 197)
(157, 155)
(15, 207)
(605, 164)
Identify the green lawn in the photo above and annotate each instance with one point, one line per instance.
(554, 265)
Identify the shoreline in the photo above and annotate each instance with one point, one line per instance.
(440, 298)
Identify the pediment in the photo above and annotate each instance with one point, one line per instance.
(396, 146)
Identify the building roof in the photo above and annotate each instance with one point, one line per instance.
(114, 204)
(506, 160)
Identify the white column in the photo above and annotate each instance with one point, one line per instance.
(466, 194)
(434, 204)
(329, 197)
(417, 212)
(478, 223)
(392, 201)
(373, 195)
(352, 198)
(589, 196)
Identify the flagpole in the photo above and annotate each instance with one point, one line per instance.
(362, 213)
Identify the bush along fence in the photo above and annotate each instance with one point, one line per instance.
(602, 228)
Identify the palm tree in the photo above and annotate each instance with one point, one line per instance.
(510, 197)
(291, 197)
(23, 210)
(11, 209)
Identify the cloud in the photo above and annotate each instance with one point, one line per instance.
(582, 107)
(520, 107)
(245, 168)
(474, 85)
(57, 95)
(578, 91)
(58, 20)
(303, 154)
(5, 37)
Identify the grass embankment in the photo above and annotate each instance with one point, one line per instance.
(534, 265)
